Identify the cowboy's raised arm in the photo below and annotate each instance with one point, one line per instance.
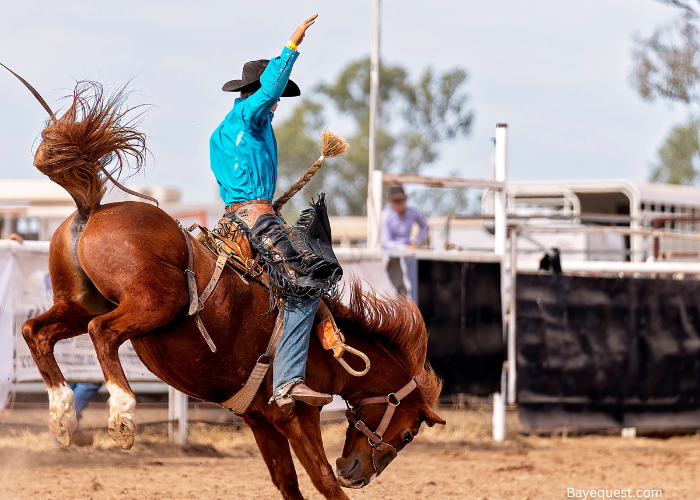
(275, 77)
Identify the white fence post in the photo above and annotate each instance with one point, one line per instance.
(177, 411)
(512, 356)
(374, 210)
(500, 229)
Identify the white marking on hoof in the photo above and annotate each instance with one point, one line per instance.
(121, 415)
(62, 421)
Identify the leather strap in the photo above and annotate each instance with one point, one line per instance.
(235, 206)
(362, 427)
(204, 332)
(197, 302)
(250, 211)
(213, 281)
(392, 400)
(239, 402)
(189, 273)
(251, 269)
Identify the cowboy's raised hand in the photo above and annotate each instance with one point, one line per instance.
(298, 34)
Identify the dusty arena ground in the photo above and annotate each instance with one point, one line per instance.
(455, 462)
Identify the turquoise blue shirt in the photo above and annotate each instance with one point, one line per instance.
(243, 149)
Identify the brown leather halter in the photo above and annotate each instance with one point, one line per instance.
(374, 439)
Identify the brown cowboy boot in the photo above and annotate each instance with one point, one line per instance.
(301, 392)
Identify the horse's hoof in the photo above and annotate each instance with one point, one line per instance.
(60, 433)
(62, 420)
(122, 431)
(121, 411)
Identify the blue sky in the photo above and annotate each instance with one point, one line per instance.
(556, 71)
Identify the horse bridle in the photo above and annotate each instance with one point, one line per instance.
(374, 438)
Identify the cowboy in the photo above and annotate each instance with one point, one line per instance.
(243, 153)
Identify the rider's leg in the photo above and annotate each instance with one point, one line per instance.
(84, 393)
(289, 366)
(284, 265)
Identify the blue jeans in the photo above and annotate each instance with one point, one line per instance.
(289, 365)
(84, 393)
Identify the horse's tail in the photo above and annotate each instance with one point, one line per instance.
(90, 144)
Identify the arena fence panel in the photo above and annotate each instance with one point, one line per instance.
(602, 352)
(461, 306)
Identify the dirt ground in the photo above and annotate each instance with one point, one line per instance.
(455, 462)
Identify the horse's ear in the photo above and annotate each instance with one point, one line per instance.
(432, 418)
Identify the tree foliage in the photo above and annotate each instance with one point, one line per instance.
(414, 118)
(679, 156)
(667, 66)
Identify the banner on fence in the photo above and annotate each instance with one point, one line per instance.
(29, 287)
(26, 292)
(6, 319)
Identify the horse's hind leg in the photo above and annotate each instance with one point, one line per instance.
(274, 448)
(130, 319)
(64, 320)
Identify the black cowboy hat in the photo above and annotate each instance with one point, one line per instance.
(252, 71)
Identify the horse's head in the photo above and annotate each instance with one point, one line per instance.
(380, 427)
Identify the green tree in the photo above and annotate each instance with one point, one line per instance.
(679, 156)
(414, 118)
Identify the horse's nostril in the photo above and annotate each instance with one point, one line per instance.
(342, 466)
(341, 463)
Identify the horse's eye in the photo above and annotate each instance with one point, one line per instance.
(408, 437)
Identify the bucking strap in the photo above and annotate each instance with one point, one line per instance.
(239, 402)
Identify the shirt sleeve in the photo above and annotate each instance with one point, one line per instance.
(386, 239)
(422, 224)
(273, 82)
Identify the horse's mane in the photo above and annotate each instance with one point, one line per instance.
(398, 324)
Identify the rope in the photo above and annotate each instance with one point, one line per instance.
(298, 185)
(331, 145)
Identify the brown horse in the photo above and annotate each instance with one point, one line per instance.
(118, 272)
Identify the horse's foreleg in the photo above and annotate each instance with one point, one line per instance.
(108, 332)
(64, 320)
(274, 448)
(304, 433)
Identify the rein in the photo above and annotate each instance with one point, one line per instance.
(374, 438)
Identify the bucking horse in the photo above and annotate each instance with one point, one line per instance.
(119, 272)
